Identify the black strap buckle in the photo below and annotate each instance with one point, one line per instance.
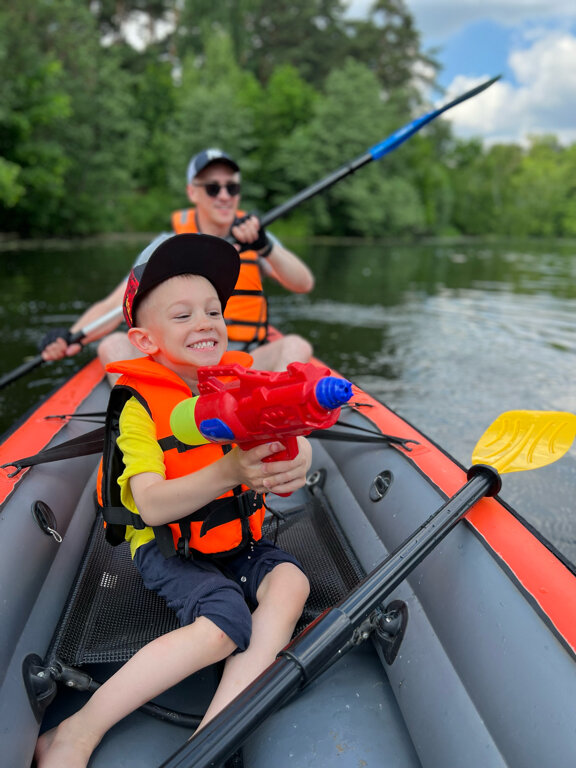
(219, 512)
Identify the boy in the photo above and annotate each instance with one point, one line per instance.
(213, 187)
(173, 306)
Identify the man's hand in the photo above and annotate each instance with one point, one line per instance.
(250, 234)
(56, 344)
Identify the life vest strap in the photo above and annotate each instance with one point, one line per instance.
(218, 512)
(251, 323)
(171, 442)
(246, 292)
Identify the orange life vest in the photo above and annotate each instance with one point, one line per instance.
(221, 527)
(246, 313)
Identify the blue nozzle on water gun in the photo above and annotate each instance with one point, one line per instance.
(216, 429)
(332, 392)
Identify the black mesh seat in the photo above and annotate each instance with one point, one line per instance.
(110, 615)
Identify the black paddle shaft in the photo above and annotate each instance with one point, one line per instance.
(316, 188)
(29, 365)
(374, 153)
(329, 637)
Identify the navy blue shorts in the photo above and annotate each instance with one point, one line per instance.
(222, 589)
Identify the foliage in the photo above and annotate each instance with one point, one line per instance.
(96, 133)
(33, 104)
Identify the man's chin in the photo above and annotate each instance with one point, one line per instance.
(225, 217)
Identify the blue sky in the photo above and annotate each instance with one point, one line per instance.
(532, 43)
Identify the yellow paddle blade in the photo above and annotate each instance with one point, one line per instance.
(520, 440)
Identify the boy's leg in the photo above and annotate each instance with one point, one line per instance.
(281, 598)
(155, 668)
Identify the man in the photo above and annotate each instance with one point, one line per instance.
(213, 188)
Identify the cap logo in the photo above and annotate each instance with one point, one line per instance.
(131, 288)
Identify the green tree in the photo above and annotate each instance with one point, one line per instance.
(348, 119)
(286, 104)
(33, 106)
(388, 42)
(541, 188)
(313, 36)
(308, 34)
(70, 124)
(568, 222)
(481, 180)
(214, 107)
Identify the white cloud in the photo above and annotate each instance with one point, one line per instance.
(542, 102)
(439, 19)
(442, 18)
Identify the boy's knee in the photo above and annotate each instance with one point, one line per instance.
(288, 585)
(226, 607)
(301, 585)
(220, 642)
(297, 348)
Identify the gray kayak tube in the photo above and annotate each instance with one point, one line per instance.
(475, 667)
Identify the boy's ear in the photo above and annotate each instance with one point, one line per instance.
(142, 340)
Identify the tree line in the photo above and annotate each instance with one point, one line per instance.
(96, 133)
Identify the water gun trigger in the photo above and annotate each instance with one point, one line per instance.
(290, 443)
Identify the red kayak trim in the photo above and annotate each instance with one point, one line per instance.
(37, 431)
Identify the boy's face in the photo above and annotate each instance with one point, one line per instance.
(219, 211)
(180, 324)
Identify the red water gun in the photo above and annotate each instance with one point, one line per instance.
(250, 407)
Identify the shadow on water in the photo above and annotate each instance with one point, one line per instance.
(448, 335)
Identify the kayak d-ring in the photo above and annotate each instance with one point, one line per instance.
(391, 628)
(46, 520)
(381, 485)
(317, 478)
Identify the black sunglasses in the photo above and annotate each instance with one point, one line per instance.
(213, 188)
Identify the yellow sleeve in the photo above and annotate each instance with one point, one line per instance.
(140, 449)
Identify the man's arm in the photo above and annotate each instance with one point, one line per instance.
(277, 262)
(59, 348)
(287, 269)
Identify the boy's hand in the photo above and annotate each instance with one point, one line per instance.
(274, 476)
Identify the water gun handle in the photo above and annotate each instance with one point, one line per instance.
(290, 443)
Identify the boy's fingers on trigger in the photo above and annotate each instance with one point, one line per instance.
(267, 449)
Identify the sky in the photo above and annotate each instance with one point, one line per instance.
(531, 43)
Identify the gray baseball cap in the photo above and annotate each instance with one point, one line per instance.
(205, 158)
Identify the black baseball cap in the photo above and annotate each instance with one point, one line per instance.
(190, 254)
(205, 158)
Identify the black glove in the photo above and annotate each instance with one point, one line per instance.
(260, 242)
(52, 335)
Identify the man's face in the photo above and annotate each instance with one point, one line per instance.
(218, 211)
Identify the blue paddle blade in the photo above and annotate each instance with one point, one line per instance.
(400, 136)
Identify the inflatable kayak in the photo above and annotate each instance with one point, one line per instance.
(440, 629)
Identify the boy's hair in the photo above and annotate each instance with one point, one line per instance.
(190, 254)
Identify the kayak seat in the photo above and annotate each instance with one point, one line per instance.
(110, 615)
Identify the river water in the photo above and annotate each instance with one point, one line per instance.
(449, 335)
